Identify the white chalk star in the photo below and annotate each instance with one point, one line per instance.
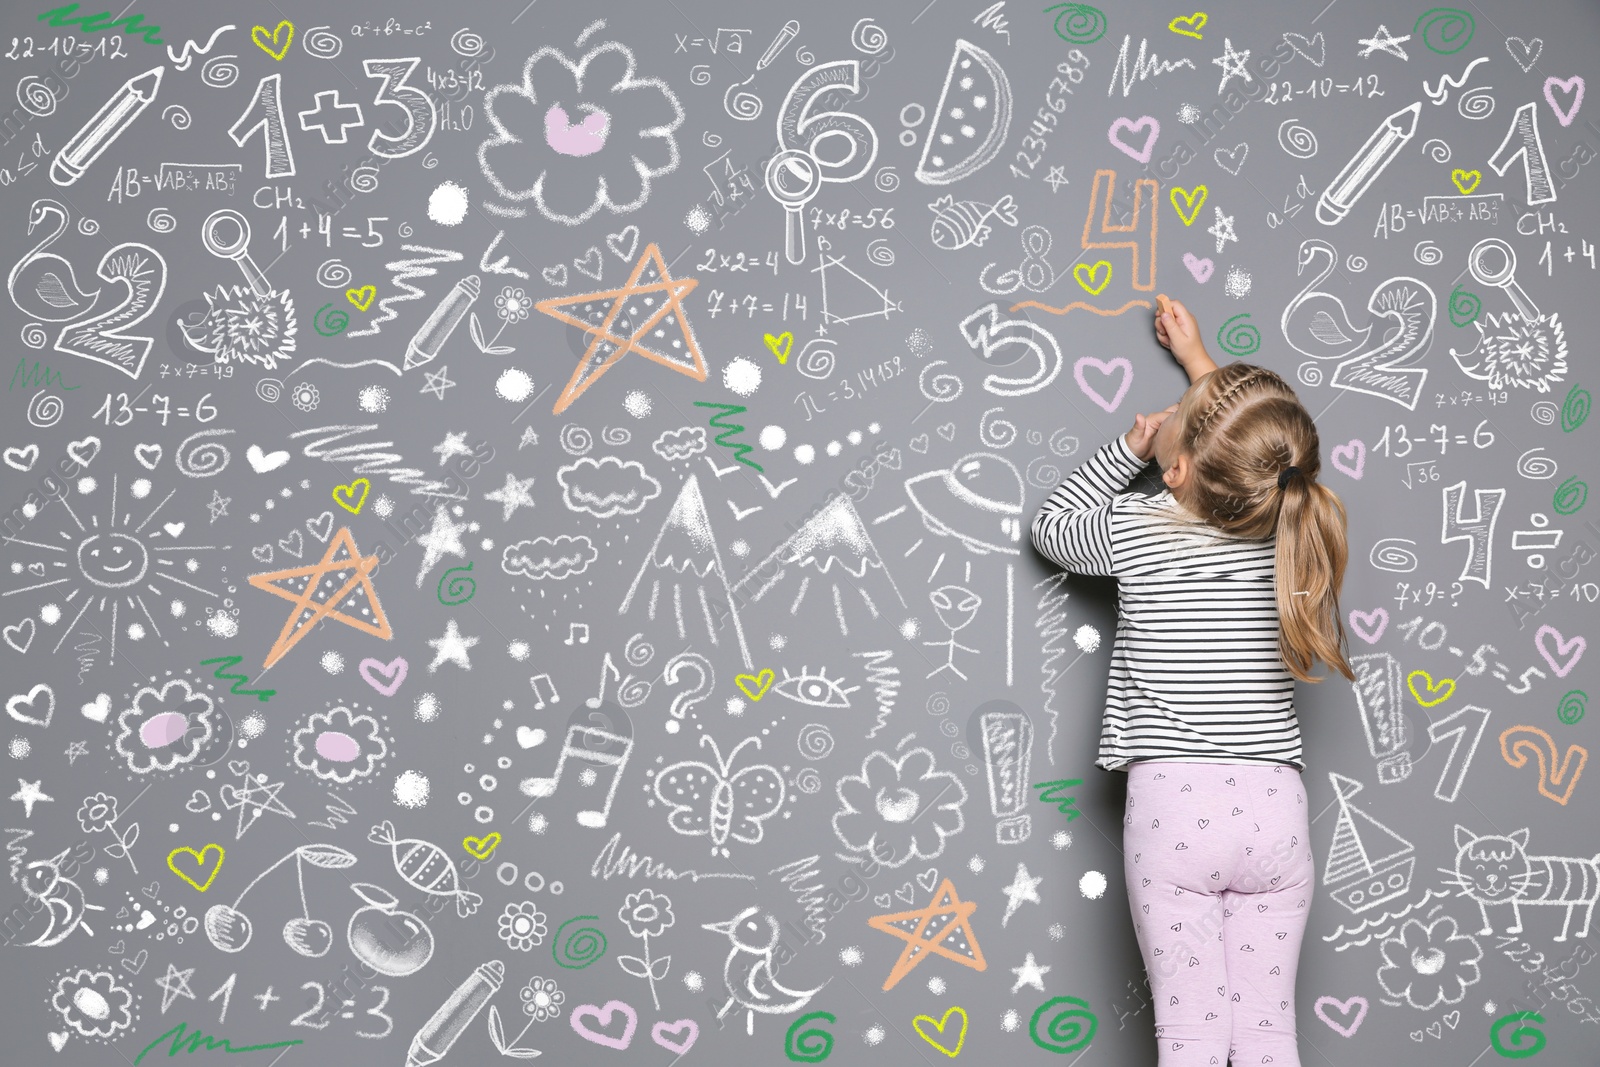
(1056, 178)
(444, 536)
(1222, 229)
(1030, 973)
(437, 383)
(1022, 888)
(1382, 41)
(30, 794)
(512, 495)
(454, 444)
(174, 984)
(529, 437)
(219, 505)
(452, 647)
(74, 750)
(1232, 64)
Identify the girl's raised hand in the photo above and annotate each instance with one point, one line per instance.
(1178, 331)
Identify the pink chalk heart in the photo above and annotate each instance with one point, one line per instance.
(1200, 268)
(1342, 1010)
(583, 139)
(386, 678)
(1146, 123)
(1351, 458)
(1573, 85)
(1369, 625)
(1106, 367)
(602, 1017)
(1570, 647)
(678, 1036)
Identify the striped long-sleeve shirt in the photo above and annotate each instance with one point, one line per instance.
(1195, 671)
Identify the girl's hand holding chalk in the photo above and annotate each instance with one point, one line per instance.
(1177, 330)
(1142, 438)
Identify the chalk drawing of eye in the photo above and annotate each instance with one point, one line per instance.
(815, 690)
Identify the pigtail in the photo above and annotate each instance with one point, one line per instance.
(1311, 557)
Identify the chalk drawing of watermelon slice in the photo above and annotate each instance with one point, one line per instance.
(972, 120)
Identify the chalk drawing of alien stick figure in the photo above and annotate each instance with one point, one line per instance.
(956, 607)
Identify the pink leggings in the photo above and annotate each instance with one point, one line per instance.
(1220, 876)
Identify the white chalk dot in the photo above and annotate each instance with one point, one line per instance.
(537, 823)
(427, 708)
(411, 789)
(135, 631)
(447, 205)
(1062, 840)
(140, 488)
(373, 399)
(834, 448)
(50, 614)
(976, 865)
(1056, 931)
(19, 748)
(854, 437)
(221, 624)
(773, 437)
(693, 982)
(1092, 885)
(1086, 637)
(514, 386)
(851, 956)
(936, 986)
(874, 1034)
(804, 454)
(332, 662)
(253, 725)
(1010, 1022)
(86, 485)
(519, 650)
(742, 376)
(638, 404)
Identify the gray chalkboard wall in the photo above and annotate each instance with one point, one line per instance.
(516, 521)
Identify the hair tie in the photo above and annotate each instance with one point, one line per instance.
(1285, 474)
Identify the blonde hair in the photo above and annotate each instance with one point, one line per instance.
(1242, 427)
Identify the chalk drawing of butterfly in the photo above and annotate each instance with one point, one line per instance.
(718, 802)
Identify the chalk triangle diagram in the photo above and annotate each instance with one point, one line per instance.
(943, 928)
(831, 563)
(685, 554)
(337, 587)
(650, 306)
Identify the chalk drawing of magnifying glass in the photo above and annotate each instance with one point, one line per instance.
(794, 179)
(226, 233)
(1493, 262)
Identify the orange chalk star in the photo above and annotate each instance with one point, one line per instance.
(648, 303)
(943, 928)
(321, 591)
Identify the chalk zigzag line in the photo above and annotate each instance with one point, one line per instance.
(617, 858)
(403, 271)
(729, 430)
(1079, 305)
(262, 695)
(885, 685)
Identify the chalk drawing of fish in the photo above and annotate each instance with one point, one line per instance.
(959, 224)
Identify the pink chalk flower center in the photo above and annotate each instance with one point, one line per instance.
(581, 139)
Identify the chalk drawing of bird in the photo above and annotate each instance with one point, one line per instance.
(63, 901)
(750, 974)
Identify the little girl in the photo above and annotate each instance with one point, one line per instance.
(1229, 589)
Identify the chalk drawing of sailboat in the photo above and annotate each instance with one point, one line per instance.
(1368, 863)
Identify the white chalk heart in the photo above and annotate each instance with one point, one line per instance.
(98, 709)
(263, 462)
(36, 707)
(530, 737)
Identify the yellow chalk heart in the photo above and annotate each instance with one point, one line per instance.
(1189, 26)
(1192, 200)
(356, 491)
(1438, 692)
(937, 1026)
(1466, 180)
(755, 686)
(482, 848)
(1090, 277)
(362, 297)
(780, 345)
(200, 862)
(268, 42)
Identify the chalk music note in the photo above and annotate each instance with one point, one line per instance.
(631, 691)
(554, 698)
(594, 746)
(578, 633)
